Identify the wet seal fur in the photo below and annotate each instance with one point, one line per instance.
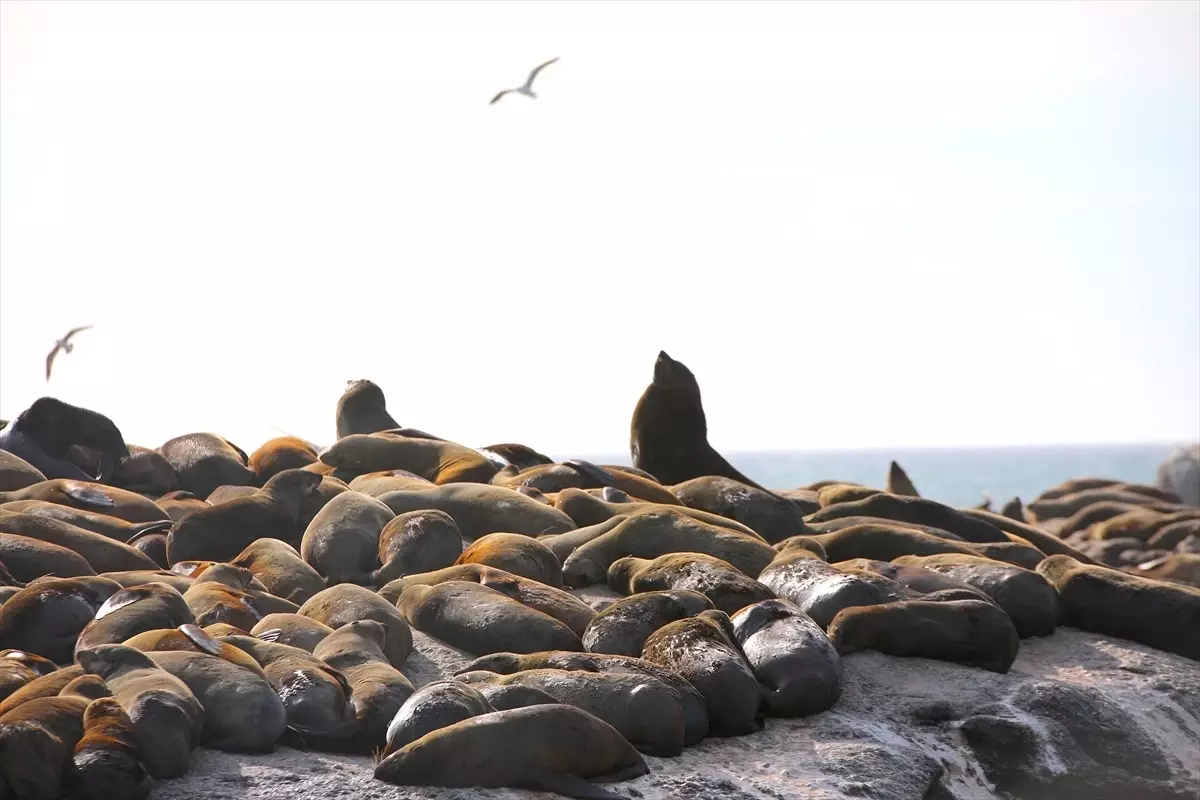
(434, 706)
(624, 627)
(719, 581)
(797, 666)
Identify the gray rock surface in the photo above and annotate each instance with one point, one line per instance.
(1180, 473)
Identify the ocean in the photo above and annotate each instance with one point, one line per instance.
(957, 477)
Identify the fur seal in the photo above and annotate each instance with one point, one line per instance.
(166, 716)
(1028, 599)
(436, 460)
(42, 434)
(917, 510)
(971, 632)
(107, 500)
(242, 712)
(1171, 536)
(480, 509)
(668, 432)
(482, 620)
(36, 742)
(1138, 524)
(377, 689)
(204, 461)
(772, 517)
(112, 527)
(1176, 567)
(579, 474)
(145, 471)
(434, 706)
(292, 629)
(154, 547)
(517, 554)
(346, 603)
(554, 748)
(131, 611)
(374, 484)
(624, 627)
(106, 762)
(719, 581)
(1068, 505)
(193, 639)
(836, 493)
(342, 541)
(102, 553)
(362, 409)
(46, 618)
(28, 559)
(17, 473)
(218, 595)
(898, 482)
(563, 544)
(415, 542)
(280, 569)
(704, 651)
(280, 453)
(646, 712)
(179, 504)
(519, 455)
(1114, 603)
(130, 578)
(918, 579)
(797, 667)
(1047, 543)
(223, 494)
(821, 590)
(585, 508)
(652, 534)
(222, 532)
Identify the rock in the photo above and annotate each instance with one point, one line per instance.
(1180, 473)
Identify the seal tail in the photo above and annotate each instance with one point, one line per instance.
(146, 528)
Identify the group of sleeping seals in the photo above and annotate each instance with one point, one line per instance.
(203, 597)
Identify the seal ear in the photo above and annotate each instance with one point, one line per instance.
(86, 495)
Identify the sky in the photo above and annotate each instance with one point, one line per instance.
(859, 224)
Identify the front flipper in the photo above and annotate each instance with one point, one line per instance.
(567, 785)
(586, 468)
(87, 495)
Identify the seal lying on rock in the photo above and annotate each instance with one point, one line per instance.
(434, 706)
(36, 742)
(727, 588)
(624, 627)
(106, 762)
(377, 689)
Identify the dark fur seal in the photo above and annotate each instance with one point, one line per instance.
(822, 590)
(222, 532)
(669, 434)
(362, 409)
(772, 517)
(563, 544)
(46, 618)
(554, 748)
(432, 707)
(204, 461)
(971, 632)
(415, 542)
(515, 553)
(797, 667)
(179, 504)
(166, 716)
(719, 581)
(914, 509)
(292, 629)
(43, 434)
(280, 569)
(106, 762)
(131, 611)
(1047, 543)
(480, 509)
(17, 473)
(36, 742)
(145, 471)
(585, 508)
(342, 541)
(107, 500)
(898, 482)
(28, 559)
(624, 627)
(346, 603)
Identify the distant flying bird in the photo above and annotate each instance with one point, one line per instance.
(527, 89)
(63, 344)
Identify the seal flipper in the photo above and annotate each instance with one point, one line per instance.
(590, 470)
(87, 495)
(567, 785)
(145, 528)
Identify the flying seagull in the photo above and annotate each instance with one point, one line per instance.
(63, 344)
(527, 89)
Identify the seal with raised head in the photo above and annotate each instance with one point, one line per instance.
(898, 482)
(971, 632)
(719, 581)
(552, 748)
(295, 630)
(340, 605)
(704, 651)
(166, 716)
(342, 541)
(204, 461)
(515, 553)
(42, 435)
(434, 706)
(415, 542)
(106, 762)
(362, 409)
(624, 627)
(377, 689)
(36, 742)
(221, 532)
(480, 509)
(797, 667)
(46, 617)
(669, 433)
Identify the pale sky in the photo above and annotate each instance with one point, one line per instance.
(860, 224)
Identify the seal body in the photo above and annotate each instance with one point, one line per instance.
(415, 542)
(377, 689)
(106, 763)
(517, 554)
(726, 587)
(47, 617)
(346, 603)
(43, 434)
(434, 706)
(362, 408)
(623, 627)
(798, 668)
(342, 541)
(36, 742)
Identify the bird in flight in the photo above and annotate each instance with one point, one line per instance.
(63, 344)
(527, 89)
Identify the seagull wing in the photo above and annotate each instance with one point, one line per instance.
(50, 359)
(74, 331)
(536, 70)
(498, 96)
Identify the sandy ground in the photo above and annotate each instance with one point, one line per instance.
(890, 736)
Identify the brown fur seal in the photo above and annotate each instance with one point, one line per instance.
(276, 455)
(971, 632)
(17, 473)
(703, 650)
(179, 504)
(346, 603)
(519, 455)
(719, 581)
(668, 432)
(44, 433)
(1137, 524)
(154, 547)
(131, 611)
(1172, 536)
(433, 459)
(822, 590)
(1113, 603)
(111, 527)
(417, 541)
(223, 494)
(96, 497)
(292, 629)
(146, 472)
(1069, 505)
(646, 712)
(515, 553)
(797, 667)
(434, 706)
(280, 569)
(836, 493)
(374, 484)
(563, 544)
(918, 579)
(342, 541)
(192, 639)
(222, 532)
(43, 686)
(36, 742)
(102, 553)
(1176, 567)
(555, 748)
(362, 409)
(652, 534)
(1028, 599)
(480, 509)
(914, 509)
(242, 713)
(106, 762)
(588, 509)
(580, 474)
(885, 541)
(1047, 543)
(204, 461)
(772, 517)
(28, 559)
(46, 618)
(377, 689)
(166, 716)
(482, 620)
(138, 577)
(624, 627)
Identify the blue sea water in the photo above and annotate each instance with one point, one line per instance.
(957, 477)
